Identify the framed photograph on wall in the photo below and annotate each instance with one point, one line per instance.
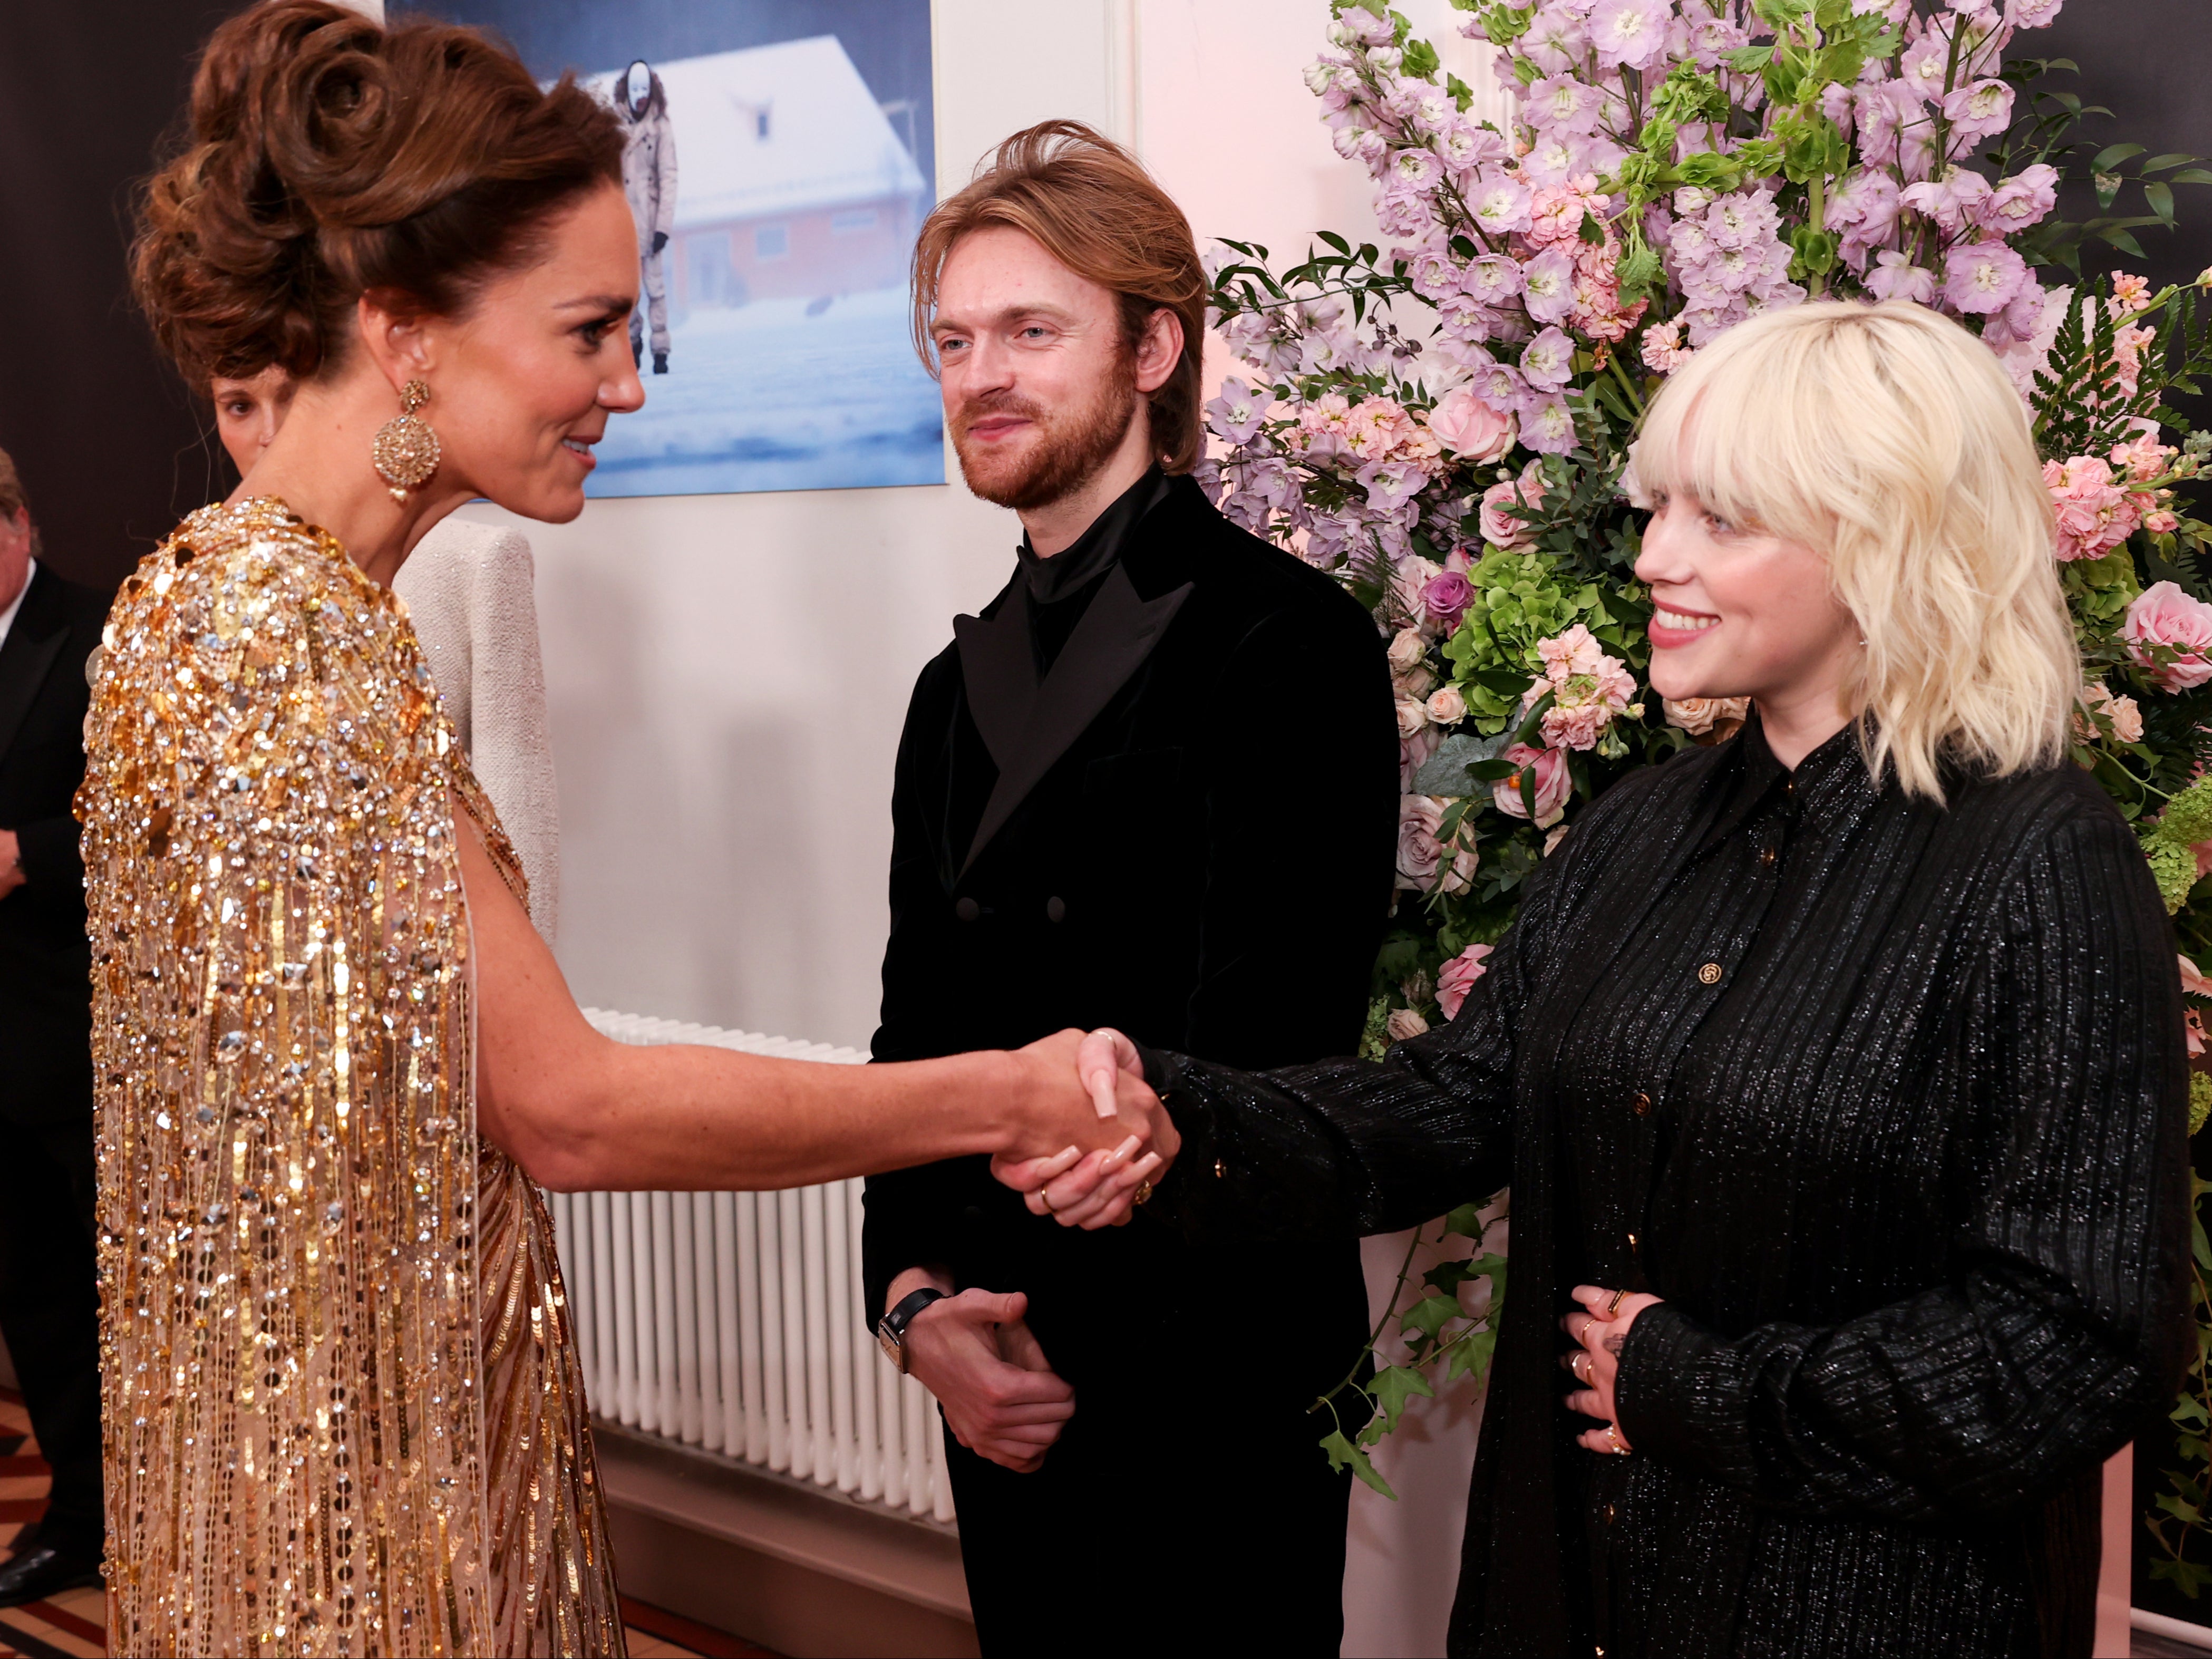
(778, 163)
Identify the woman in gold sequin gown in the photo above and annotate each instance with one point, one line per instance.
(342, 1408)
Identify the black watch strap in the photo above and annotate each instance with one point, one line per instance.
(890, 1331)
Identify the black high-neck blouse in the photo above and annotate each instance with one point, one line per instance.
(1888, 1101)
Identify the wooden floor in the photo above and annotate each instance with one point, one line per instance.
(73, 1623)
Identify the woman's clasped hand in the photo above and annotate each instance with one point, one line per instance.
(1099, 1186)
(1599, 1330)
(1099, 1189)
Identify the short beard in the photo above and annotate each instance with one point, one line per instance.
(1070, 448)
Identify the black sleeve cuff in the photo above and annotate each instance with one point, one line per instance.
(1179, 1200)
(1680, 1397)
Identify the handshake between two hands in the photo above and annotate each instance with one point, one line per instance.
(1095, 1138)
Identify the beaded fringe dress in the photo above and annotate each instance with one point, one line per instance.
(344, 1410)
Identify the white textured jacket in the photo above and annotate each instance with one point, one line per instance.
(470, 590)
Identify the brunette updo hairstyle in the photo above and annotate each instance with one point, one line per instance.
(328, 157)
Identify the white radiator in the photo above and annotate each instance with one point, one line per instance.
(735, 1322)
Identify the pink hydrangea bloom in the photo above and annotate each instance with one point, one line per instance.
(2164, 621)
(1457, 977)
(2093, 512)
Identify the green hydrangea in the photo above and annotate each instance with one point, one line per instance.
(1519, 600)
(2200, 1101)
(2187, 819)
(2174, 868)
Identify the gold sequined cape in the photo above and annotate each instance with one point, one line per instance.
(344, 1409)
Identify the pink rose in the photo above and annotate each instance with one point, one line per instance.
(1471, 429)
(2094, 513)
(1499, 527)
(1459, 976)
(2165, 616)
(1446, 597)
(2192, 982)
(1421, 853)
(1698, 716)
(1554, 784)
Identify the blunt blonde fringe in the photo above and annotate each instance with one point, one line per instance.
(1889, 438)
(1092, 205)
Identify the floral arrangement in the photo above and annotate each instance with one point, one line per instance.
(1445, 426)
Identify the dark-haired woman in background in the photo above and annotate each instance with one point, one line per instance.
(343, 1407)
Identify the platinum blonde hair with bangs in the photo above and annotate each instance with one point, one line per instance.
(1889, 440)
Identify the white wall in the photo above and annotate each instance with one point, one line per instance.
(727, 675)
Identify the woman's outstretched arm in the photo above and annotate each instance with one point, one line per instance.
(578, 1110)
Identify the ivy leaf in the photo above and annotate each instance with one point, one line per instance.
(1431, 1314)
(1392, 1387)
(1342, 1454)
(1471, 1356)
(1467, 1220)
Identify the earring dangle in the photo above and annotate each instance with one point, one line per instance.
(406, 449)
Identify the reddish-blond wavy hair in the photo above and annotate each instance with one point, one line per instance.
(1091, 204)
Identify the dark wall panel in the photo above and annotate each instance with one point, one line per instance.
(109, 442)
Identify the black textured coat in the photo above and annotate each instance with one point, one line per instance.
(1888, 1101)
(1193, 841)
(46, 969)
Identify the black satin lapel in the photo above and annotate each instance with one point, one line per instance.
(1111, 642)
(25, 657)
(1000, 673)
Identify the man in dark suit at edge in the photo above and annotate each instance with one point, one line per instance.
(49, 1288)
(1153, 785)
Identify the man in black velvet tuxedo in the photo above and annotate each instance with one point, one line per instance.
(49, 1295)
(1153, 785)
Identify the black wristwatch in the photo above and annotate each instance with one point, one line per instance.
(890, 1331)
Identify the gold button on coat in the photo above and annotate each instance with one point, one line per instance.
(1642, 1105)
(1710, 974)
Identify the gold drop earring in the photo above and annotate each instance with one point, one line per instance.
(406, 449)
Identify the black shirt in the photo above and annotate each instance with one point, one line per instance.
(1886, 1100)
(1057, 590)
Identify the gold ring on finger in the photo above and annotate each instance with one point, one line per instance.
(1613, 1306)
(1144, 1194)
(1044, 1197)
(1580, 1366)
